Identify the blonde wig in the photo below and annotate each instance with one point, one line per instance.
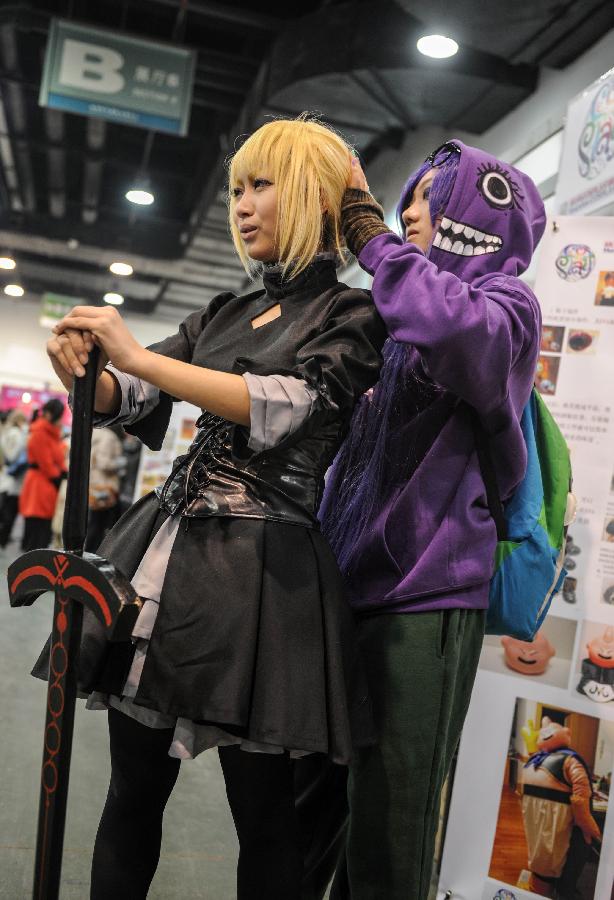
(309, 164)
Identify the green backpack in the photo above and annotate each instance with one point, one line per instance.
(531, 526)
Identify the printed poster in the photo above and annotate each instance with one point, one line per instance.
(501, 842)
(586, 176)
(155, 465)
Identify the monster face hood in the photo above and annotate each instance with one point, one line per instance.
(493, 221)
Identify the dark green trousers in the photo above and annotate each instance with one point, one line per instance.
(421, 669)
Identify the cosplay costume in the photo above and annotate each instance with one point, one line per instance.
(556, 794)
(418, 574)
(245, 635)
(597, 676)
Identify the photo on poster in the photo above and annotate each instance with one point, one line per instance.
(604, 295)
(547, 659)
(594, 669)
(547, 373)
(607, 590)
(569, 591)
(582, 341)
(608, 530)
(188, 429)
(554, 802)
(552, 338)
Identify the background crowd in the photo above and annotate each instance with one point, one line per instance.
(34, 457)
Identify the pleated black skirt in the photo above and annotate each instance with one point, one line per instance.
(254, 633)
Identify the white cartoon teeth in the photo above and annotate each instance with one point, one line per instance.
(465, 240)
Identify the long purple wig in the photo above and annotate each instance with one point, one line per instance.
(372, 458)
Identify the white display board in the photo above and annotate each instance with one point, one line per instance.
(586, 174)
(485, 856)
(155, 465)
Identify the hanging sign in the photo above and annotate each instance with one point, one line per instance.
(586, 176)
(55, 306)
(117, 77)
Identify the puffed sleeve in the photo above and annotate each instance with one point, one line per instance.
(144, 409)
(334, 368)
(344, 359)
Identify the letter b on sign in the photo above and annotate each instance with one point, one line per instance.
(91, 67)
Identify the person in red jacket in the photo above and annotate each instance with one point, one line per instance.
(45, 473)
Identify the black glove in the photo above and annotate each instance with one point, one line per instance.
(57, 481)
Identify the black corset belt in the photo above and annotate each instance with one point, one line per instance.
(208, 481)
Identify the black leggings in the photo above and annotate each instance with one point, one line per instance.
(260, 792)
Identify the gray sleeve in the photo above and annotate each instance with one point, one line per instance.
(138, 398)
(278, 405)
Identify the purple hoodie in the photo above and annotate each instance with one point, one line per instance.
(475, 328)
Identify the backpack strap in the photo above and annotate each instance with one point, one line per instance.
(489, 476)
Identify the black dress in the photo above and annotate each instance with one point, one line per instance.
(254, 633)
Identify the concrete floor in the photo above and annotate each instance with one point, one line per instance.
(199, 847)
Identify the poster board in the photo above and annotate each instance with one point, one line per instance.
(486, 851)
(155, 465)
(586, 175)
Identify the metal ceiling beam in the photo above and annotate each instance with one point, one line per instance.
(383, 36)
(276, 110)
(175, 269)
(221, 12)
(84, 155)
(207, 9)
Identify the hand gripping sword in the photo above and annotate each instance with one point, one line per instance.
(77, 579)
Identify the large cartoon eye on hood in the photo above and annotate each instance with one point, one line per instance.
(498, 187)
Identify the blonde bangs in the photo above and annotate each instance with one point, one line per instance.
(309, 164)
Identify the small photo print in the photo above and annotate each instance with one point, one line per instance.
(547, 373)
(607, 590)
(546, 659)
(608, 530)
(594, 672)
(604, 295)
(581, 341)
(150, 481)
(552, 338)
(554, 802)
(188, 429)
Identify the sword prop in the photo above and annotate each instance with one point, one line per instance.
(77, 579)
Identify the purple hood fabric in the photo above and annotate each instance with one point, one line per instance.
(474, 327)
(492, 205)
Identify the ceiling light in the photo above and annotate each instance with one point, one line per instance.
(14, 290)
(140, 196)
(72, 243)
(121, 268)
(7, 263)
(437, 46)
(113, 298)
